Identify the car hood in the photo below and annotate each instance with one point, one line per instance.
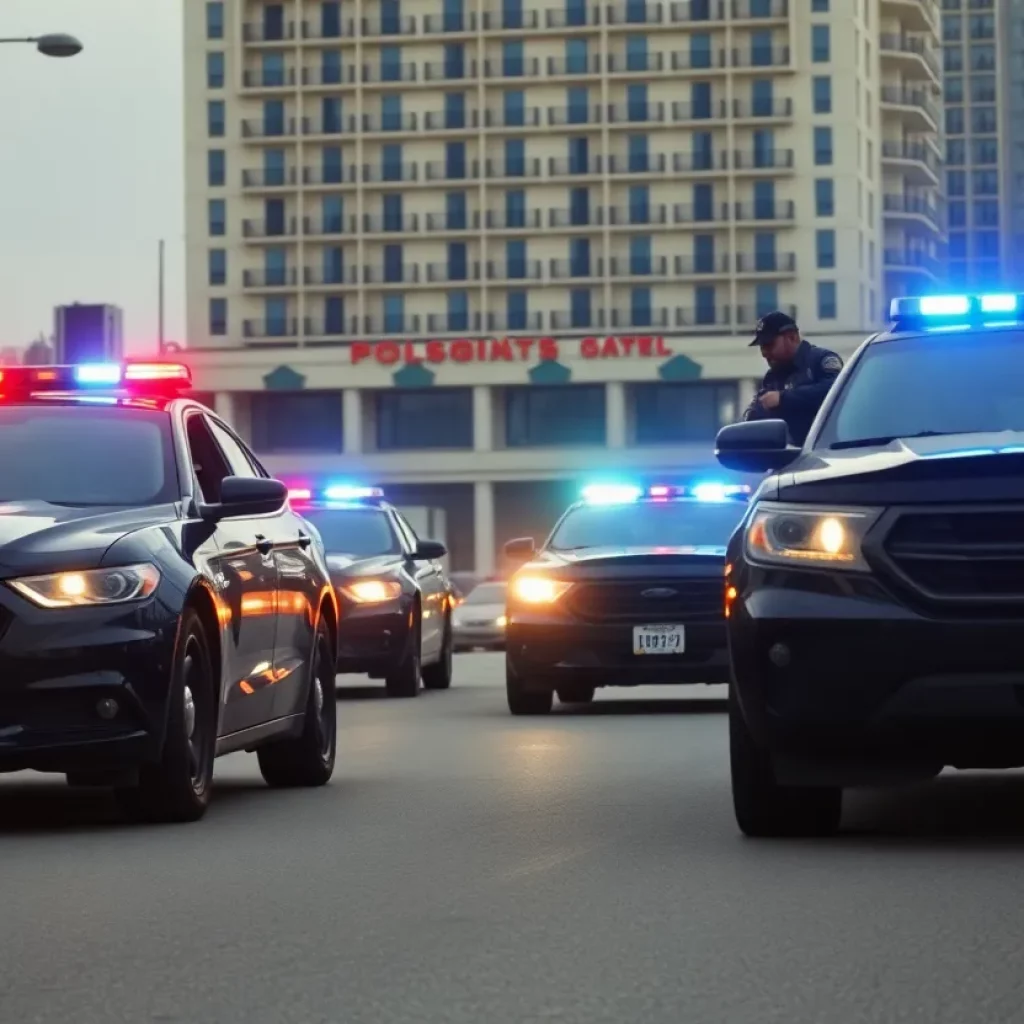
(347, 566)
(37, 537)
(591, 561)
(955, 467)
(478, 613)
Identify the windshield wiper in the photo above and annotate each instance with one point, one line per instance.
(878, 442)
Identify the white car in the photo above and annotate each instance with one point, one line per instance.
(479, 621)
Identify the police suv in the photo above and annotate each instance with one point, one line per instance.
(875, 589)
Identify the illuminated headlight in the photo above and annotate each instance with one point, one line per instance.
(501, 622)
(372, 591)
(798, 535)
(538, 589)
(93, 587)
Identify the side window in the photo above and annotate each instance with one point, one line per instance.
(207, 460)
(407, 533)
(238, 458)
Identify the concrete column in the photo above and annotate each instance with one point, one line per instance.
(352, 420)
(615, 414)
(483, 526)
(224, 407)
(483, 419)
(748, 387)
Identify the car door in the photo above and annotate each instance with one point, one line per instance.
(300, 580)
(247, 581)
(430, 580)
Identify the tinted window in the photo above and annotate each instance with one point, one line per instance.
(949, 383)
(669, 524)
(296, 421)
(434, 418)
(354, 531)
(86, 456)
(554, 415)
(487, 593)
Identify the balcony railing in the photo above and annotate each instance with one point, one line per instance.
(391, 326)
(510, 20)
(783, 210)
(751, 314)
(286, 328)
(328, 126)
(329, 225)
(527, 270)
(376, 225)
(769, 57)
(393, 73)
(530, 117)
(757, 9)
(406, 273)
(759, 160)
(499, 219)
(694, 266)
(318, 30)
(706, 318)
(399, 123)
(910, 46)
(270, 229)
(330, 276)
(450, 23)
(265, 78)
(446, 222)
(624, 266)
(443, 273)
(695, 162)
(257, 32)
(917, 98)
(378, 173)
(578, 17)
(632, 64)
(765, 263)
(446, 323)
(402, 26)
(658, 317)
(911, 260)
(329, 75)
(750, 110)
(277, 277)
(269, 178)
(563, 66)
(502, 322)
(528, 67)
(257, 128)
(574, 115)
(330, 328)
(912, 151)
(911, 205)
(333, 175)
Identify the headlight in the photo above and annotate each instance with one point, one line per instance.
(93, 587)
(538, 589)
(501, 622)
(372, 591)
(800, 535)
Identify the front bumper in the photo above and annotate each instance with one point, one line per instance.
(373, 638)
(57, 665)
(490, 635)
(545, 654)
(829, 665)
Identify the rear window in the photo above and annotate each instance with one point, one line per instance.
(944, 383)
(84, 455)
(487, 593)
(363, 532)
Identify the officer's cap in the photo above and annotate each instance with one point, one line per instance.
(770, 326)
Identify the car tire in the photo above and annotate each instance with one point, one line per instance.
(308, 759)
(403, 678)
(576, 694)
(522, 701)
(439, 675)
(765, 809)
(177, 787)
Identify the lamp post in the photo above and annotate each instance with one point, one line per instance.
(53, 44)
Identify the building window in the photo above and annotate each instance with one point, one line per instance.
(985, 183)
(824, 197)
(392, 206)
(330, 19)
(640, 255)
(218, 317)
(218, 267)
(822, 94)
(952, 28)
(954, 120)
(511, 13)
(704, 254)
(456, 218)
(819, 6)
(958, 214)
(454, 60)
(984, 151)
(215, 70)
(391, 112)
(215, 20)
(636, 53)
(515, 158)
(704, 302)
(431, 418)
(983, 57)
(304, 421)
(577, 60)
(986, 214)
(455, 110)
(393, 268)
(390, 64)
(956, 152)
(825, 245)
(826, 300)
(579, 155)
(458, 261)
(390, 161)
(681, 413)
(640, 312)
(579, 307)
(516, 310)
(953, 89)
(455, 160)
(334, 315)
(515, 207)
(394, 314)
(512, 62)
(515, 259)
(217, 216)
(215, 118)
(766, 298)
(703, 202)
(390, 18)
(215, 167)
(700, 100)
(823, 146)
(577, 103)
(762, 54)
(983, 88)
(579, 257)
(952, 58)
(638, 154)
(579, 206)
(458, 311)
(762, 97)
(639, 210)
(984, 120)
(515, 108)
(956, 183)
(821, 44)
(557, 415)
(700, 50)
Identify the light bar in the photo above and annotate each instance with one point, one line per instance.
(611, 494)
(924, 311)
(345, 492)
(713, 491)
(136, 378)
(300, 494)
(334, 494)
(620, 494)
(157, 371)
(98, 373)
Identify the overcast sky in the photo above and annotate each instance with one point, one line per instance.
(91, 165)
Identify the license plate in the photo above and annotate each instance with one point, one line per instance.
(659, 639)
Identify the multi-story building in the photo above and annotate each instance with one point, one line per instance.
(978, 129)
(487, 245)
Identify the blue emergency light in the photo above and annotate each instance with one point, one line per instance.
(624, 494)
(84, 379)
(334, 494)
(946, 312)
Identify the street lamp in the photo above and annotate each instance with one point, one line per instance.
(53, 44)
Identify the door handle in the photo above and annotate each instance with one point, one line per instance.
(263, 544)
(304, 539)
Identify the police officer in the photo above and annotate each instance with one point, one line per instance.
(798, 379)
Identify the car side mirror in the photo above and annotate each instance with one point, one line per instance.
(247, 496)
(430, 550)
(521, 549)
(758, 446)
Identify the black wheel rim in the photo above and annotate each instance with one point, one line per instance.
(324, 706)
(196, 716)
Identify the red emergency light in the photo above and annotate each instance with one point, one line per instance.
(130, 379)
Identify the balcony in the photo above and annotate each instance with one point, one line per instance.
(762, 160)
(518, 169)
(913, 56)
(506, 21)
(336, 327)
(278, 277)
(445, 323)
(638, 166)
(566, 270)
(318, 30)
(715, 214)
(257, 128)
(915, 106)
(445, 222)
(442, 121)
(527, 270)
(911, 261)
(379, 173)
(258, 32)
(753, 10)
(332, 277)
(704, 319)
(635, 64)
(528, 67)
(445, 71)
(392, 327)
(318, 226)
(449, 24)
(772, 110)
(780, 210)
(564, 321)
(333, 175)
(914, 15)
(500, 322)
(747, 316)
(561, 67)
(698, 60)
(374, 27)
(918, 163)
(271, 329)
(652, 318)
(269, 178)
(755, 59)
(578, 18)
(443, 273)
(635, 14)
(629, 217)
(637, 113)
(406, 273)
(401, 123)
(328, 126)
(287, 228)
(697, 163)
(387, 225)
(329, 76)
(574, 115)
(914, 210)
(694, 266)
(392, 75)
(569, 218)
(442, 170)
(774, 264)
(500, 220)
(265, 78)
(624, 266)
(530, 117)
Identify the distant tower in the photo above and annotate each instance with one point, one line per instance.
(88, 334)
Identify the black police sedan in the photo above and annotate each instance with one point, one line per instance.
(627, 591)
(160, 604)
(395, 599)
(876, 588)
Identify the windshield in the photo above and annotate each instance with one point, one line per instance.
(363, 532)
(487, 593)
(937, 384)
(85, 455)
(663, 524)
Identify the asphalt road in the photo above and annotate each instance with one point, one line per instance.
(466, 866)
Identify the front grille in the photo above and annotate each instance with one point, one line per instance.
(968, 555)
(696, 600)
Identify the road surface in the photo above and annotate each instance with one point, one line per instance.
(466, 867)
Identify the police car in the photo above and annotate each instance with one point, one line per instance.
(395, 598)
(160, 603)
(876, 588)
(626, 591)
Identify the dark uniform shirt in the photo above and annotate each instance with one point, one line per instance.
(802, 385)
